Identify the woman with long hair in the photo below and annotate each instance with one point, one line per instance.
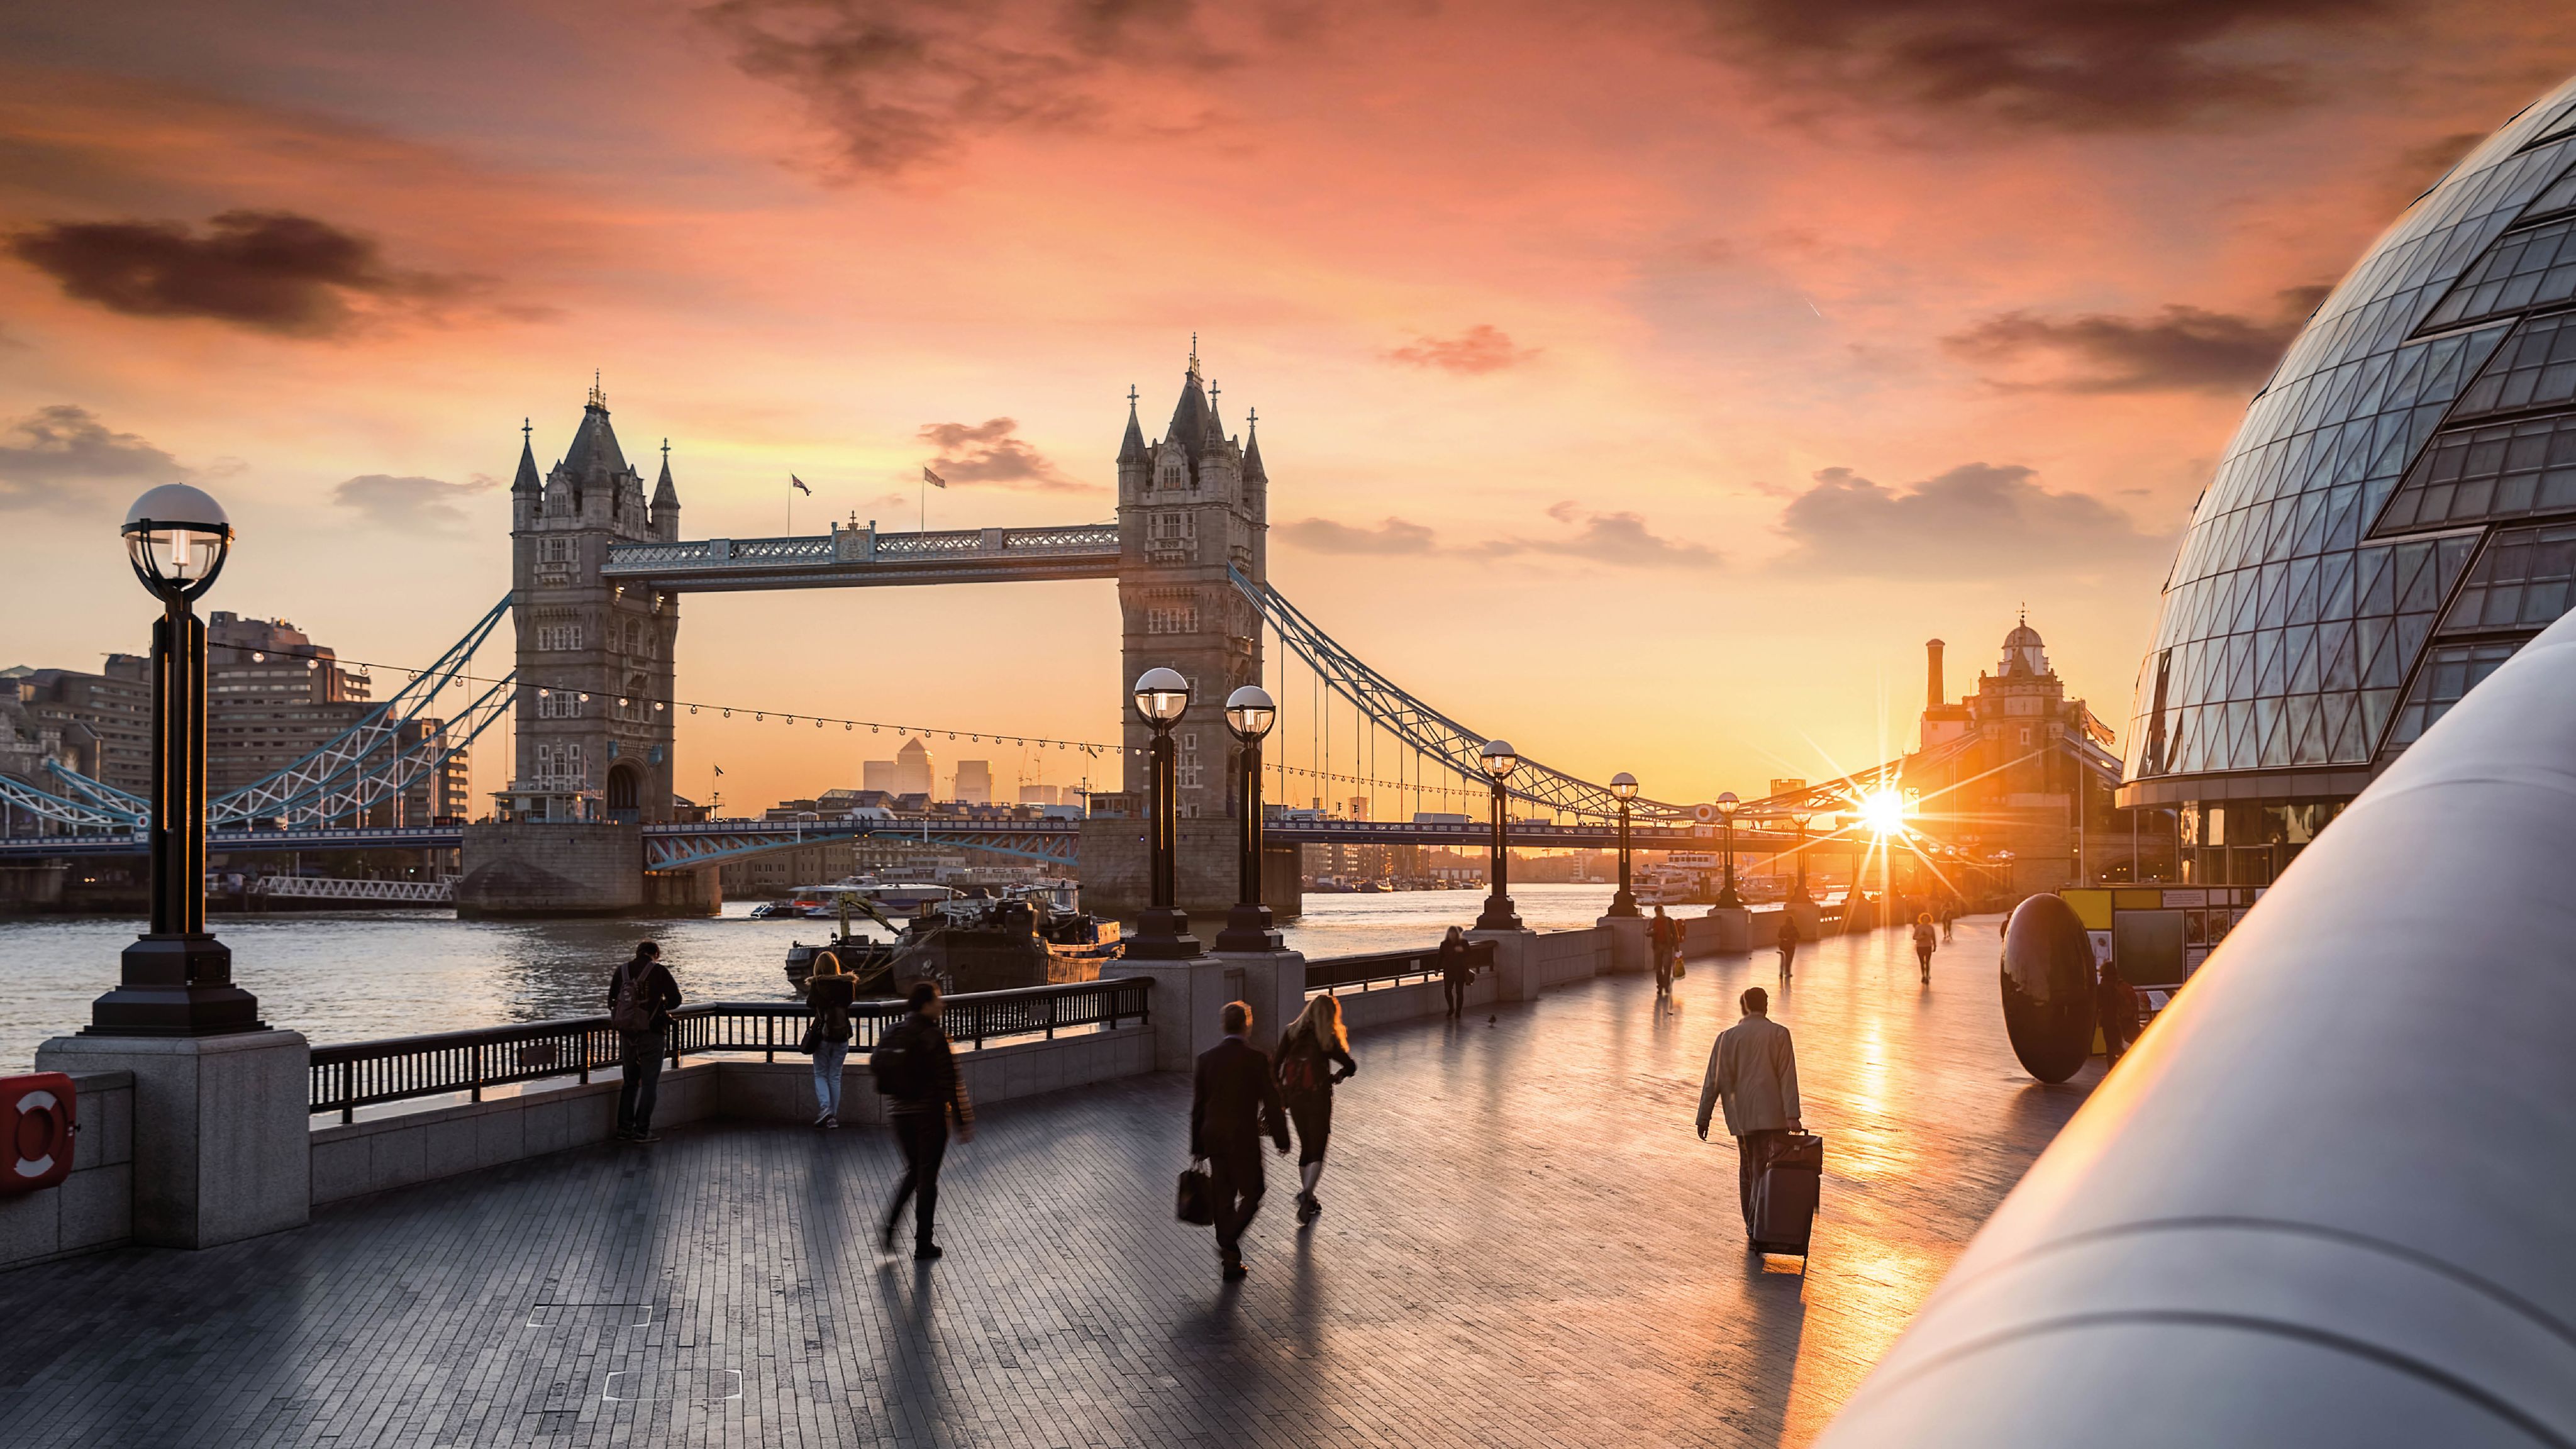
(829, 991)
(1924, 940)
(1314, 1058)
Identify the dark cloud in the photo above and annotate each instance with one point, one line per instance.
(411, 503)
(903, 82)
(986, 452)
(1975, 517)
(2178, 349)
(270, 270)
(1481, 348)
(1323, 535)
(52, 456)
(2043, 65)
(1619, 539)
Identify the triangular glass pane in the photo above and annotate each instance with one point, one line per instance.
(2376, 705)
(2339, 667)
(2342, 739)
(2299, 645)
(2303, 591)
(2307, 732)
(2276, 733)
(2267, 664)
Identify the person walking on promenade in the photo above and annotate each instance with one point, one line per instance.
(1949, 919)
(1753, 1071)
(1314, 1058)
(2115, 1009)
(1233, 1103)
(1456, 971)
(1788, 940)
(1924, 940)
(924, 1091)
(1664, 937)
(829, 992)
(641, 994)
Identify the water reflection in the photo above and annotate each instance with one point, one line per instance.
(357, 976)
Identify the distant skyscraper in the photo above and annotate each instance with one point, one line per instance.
(908, 773)
(1041, 794)
(975, 781)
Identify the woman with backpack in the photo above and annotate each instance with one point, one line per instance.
(829, 992)
(1925, 938)
(1309, 1053)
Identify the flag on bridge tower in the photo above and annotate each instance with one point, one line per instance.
(933, 479)
(719, 772)
(800, 485)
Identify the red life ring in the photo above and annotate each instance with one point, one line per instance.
(39, 1112)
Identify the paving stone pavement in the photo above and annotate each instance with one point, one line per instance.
(1524, 1244)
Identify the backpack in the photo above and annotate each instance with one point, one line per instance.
(1301, 1068)
(899, 1066)
(631, 1011)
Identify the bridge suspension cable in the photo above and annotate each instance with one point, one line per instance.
(1423, 729)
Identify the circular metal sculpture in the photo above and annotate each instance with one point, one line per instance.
(2048, 988)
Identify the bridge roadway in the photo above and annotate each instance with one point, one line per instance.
(680, 847)
(1524, 1245)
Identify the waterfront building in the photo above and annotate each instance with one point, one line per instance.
(2394, 518)
(2019, 774)
(112, 708)
(274, 697)
(27, 745)
(1042, 794)
(974, 782)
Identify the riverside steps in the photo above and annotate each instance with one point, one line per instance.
(1523, 1243)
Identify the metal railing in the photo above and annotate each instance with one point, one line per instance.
(368, 1073)
(1387, 968)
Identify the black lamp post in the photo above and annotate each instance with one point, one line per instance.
(1727, 899)
(177, 980)
(1162, 933)
(1499, 760)
(1249, 714)
(1623, 785)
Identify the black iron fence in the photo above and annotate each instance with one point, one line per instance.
(1388, 968)
(365, 1073)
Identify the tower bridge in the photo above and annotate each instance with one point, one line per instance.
(599, 570)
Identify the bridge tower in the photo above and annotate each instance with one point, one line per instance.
(1188, 507)
(594, 709)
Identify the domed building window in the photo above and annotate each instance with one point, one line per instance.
(2395, 516)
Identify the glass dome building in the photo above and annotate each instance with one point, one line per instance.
(2396, 515)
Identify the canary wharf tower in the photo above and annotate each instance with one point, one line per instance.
(2395, 517)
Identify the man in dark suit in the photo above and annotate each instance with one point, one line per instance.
(1234, 1102)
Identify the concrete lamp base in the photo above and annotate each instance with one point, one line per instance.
(221, 1147)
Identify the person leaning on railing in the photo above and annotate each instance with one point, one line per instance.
(829, 992)
(641, 994)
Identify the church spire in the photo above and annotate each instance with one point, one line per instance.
(526, 481)
(1131, 449)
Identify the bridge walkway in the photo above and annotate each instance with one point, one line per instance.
(1525, 1245)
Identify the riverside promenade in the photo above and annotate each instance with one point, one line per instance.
(1524, 1244)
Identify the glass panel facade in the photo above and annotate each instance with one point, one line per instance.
(2531, 268)
(2450, 672)
(2290, 635)
(2512, 470)
(2522, 582)
(2536, 368)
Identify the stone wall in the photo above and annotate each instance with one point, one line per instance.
(1114, 880)
(94, 1207)
(406, 1147)
(533, 868)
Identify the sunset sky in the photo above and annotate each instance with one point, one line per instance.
(1644, 380)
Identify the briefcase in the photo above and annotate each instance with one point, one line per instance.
(1195, 1202)
(1784, 1197)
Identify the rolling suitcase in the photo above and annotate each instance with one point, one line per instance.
(1784, 1198)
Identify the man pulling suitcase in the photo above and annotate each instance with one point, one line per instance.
(1753, 1071)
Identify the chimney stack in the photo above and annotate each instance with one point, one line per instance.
(1933, 697)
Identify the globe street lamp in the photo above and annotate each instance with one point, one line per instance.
(1162, 697)
(1249, 714)
(1499, 761)
(1623, 785)
(176, 980)
(1727, 899)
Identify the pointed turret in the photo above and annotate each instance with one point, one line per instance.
(1131, 449)
(1252, 470)
(1188, 430)
(594, 455)
(526, 481)
(666, 501)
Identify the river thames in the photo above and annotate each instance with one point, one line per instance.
(361, 975)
